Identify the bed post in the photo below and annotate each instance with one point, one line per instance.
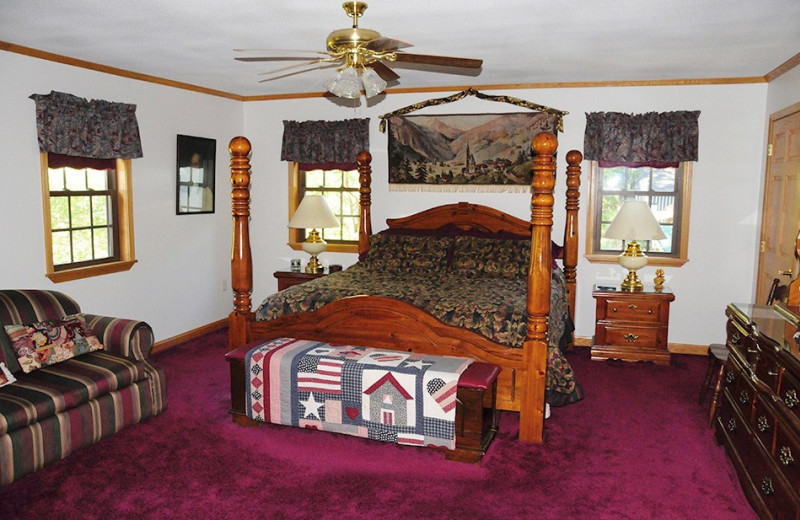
(365, 200)
(531, 417)
(241, 257)
(574, 158)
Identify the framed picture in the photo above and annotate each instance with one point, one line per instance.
(195, 175)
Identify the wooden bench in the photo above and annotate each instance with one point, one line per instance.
(476, 412)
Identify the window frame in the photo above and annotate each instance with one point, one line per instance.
(296, 236)
(592, 221)
(123, 222)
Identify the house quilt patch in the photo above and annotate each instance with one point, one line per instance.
(386, 395)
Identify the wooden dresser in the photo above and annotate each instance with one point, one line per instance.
(759, 410)
(632, 326)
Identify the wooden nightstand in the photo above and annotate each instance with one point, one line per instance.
(631, 326)
(287, 279)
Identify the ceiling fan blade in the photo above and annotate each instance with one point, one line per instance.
(281, 50)
(384, 72)
(387, 44)
(296, 65)
(281, 55)
(298, 72)
(445, 61)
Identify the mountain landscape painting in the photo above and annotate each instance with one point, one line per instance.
(464, 149)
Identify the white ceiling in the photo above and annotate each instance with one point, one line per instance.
(520, 41)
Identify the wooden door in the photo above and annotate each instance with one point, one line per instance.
(780, 218)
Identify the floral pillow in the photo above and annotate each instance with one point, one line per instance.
(407, 253)
(499, 258)
(50, 342)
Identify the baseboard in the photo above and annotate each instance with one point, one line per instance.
(165, 344)
(674, 348)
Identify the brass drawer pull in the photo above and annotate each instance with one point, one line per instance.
(744, 397)
(729, 377)
(762, 423)
(732, 424)
(631, 337)
(633, 307)
(785, 455)
(766, 486)
(790, 398)
(735, 338)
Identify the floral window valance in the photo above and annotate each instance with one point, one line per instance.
(71, 125)
(651, 139)
(325, 144)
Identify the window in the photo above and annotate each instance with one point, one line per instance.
(340, 190)
(87, 216)
(666, 190)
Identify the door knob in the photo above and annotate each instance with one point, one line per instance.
(787, 272)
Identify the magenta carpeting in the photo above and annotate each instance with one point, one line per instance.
(635, 448)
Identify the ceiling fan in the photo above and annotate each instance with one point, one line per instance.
(361, 55)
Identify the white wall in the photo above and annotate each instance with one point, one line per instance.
(177, 285)
(725, 190)
(183, 261)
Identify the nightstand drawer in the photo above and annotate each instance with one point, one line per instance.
(623, 335)
(632, 309)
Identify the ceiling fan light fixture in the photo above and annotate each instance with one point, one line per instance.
(373, 83)
(345, 84)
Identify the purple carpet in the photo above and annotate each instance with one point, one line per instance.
(635, 448)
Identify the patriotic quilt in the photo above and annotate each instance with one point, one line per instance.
(385, 395)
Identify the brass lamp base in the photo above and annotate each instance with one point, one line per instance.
(632, 259)
(632, 283)
(314, 245)
(314, 266)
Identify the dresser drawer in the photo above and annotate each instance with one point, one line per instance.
(768, 369)
(624, 336)
(741, 391)
(741, 341)
(640, 310)
(787, 454)
(764, 423)
(789, 392)
(772, 488)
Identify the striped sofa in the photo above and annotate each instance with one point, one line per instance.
(50, 412)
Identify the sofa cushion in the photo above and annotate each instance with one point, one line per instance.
(52, 341)
(55, 388)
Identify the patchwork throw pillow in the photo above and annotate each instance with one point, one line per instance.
(50, 342)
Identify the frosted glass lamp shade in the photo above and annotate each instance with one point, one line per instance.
(373, 84)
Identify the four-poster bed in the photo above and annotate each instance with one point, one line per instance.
(389, 323)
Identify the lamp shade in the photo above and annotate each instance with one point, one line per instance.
(635, 221)
(313, 212)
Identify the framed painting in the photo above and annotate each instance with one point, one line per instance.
(464, 152)
(195, 175)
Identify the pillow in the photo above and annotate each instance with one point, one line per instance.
(498, 258)
(50, 342)
(407, 253)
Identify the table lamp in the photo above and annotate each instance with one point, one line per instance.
(634, 222)
(313, 212)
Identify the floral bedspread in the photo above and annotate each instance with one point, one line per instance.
(491, 306)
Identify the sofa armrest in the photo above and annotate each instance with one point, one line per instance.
(129, 338)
